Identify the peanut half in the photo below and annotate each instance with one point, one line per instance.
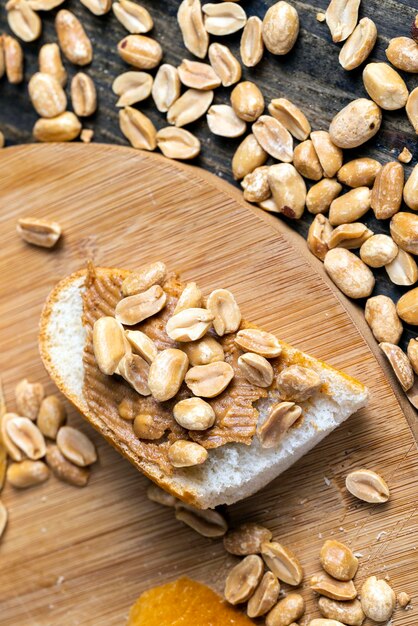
(297, 383)
(206, 350)
(349, 236)
(359, 44)
(132, 87)
(287, 610)
(380, 314)
(385, 86)
(13, 59)
(206, 522)
(223, 121)
(195, 35)
(252, 44)
(194, 414)
(243, 579)
(258, 341)
(412, 352)
(138, 129)
(349, 273)
(407, 307)
(166, 87)
(76, 446)
(356, 123)
(225, 310)
(246, 539)
(142, 52)
(108, 344)
(189, 325)
(402, 52)
(223, 19)
(72, 38)
(225, 65)
(256, 369)
(156, 494)
(24, 434)
(147, 276)
(134, 17)
(51, 416)
(65, 470)
(83, 95)
(378, 599)
(291, 117)
(198, 75)
(177, 143)
(318, 236)
(280, 28)
(189, 107)
(359, 172)
(167, 372)
(248, 156)
(282, 562)
(183, 453)
(338, 560)
(28, 398)
(98, 7)
(288, 189)
(15, 453)
(190, 297)
(368, 486)
(135, 370)
(39, 232)
(256, 185)
(349, 612)
(280, 419)
(23, 21)
(341, 17)
(306, 161)
(247, 101)
(386, 198)
(64, 127)
(404, 231)
(209, 380)
(335, 589)
(265, 596)
(412, 109)
(134, 309)
(320, 196)
(274, 138)
(378, 250)
(27, 474)
(50, 62)
(329, 155)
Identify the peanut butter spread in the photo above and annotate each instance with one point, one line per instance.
(236, 417)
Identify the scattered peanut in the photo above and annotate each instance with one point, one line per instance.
(190, 297)
(338, 560)
(223, 19)
(108, 344)
(50, 62)
(177, 143)
(258, 341)
(256, 185)
(334, 589)
(281, 418)
(223, 121)
(378, 250)
(65, 470)
(47, 95)
(29, 397)
(166, 87)
(399, 361)
(147, 276)
(72, 38)
(189, 107)
(412, 109)
(209, 380)
(348, 612)
(349, 273)
(410, 191)
(356, 123)
(359, 44)
(243, 579)
(225, 310)
(359, 172)
(288, 189)
(385, 86)
(134, 17)
(387, 190)
(225, 65)
(51, 416)
(27, 474)
(183, 453)
(195, 35)
(134, 309)
(341, 17)
(64, 127)
(265, 596)
(404, 231)
(142, 52)
(402, 52)
(368, 486)
(248, 156)
(378, 599)
(350, 206)
(252, 44)
(83, 95)
(380, 314)
(321, 195)
(194, 414)
(156, 494)
(280, 28)
(412, 353)
(349, 236)
(407, 307)
(291, 117)
(246, 539)
(207, 523)
(138, 129)
(318, 236)
(329, 155)
(247, 101)
(306, 161)
(167, 372)
(282, 562)
(286, 611)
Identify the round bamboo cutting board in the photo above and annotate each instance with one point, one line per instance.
(72, 556)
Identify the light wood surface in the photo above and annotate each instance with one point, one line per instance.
(81, 557)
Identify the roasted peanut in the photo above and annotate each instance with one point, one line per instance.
(134, 17)
(407, 307)
(72, 38)
(145, 427)
(410, 191)
(195, 35)
(329, 155)
(189, 107)
(405, 155)
(387, 190)
(194, 414)
(190, 297)
(338, 560)
(378, 250)
(258, 341)
(412, 109)
(223, 121)
(223, 19)
(335, 589)
(108, 344)
(13, 59)
(286, 611)
(248, 156)
(378, 599)
(138, 129)
(198, 75)
(380, 314)
(247, 101)
(65, 470)
(341, 17)
(209, 380)
(50, 62)
(27, 474)
(412, 353)
(24, 434)
(167, 372)
(14, 452)
(288, 189)
(206, 522)
(359, 44)
(280, 28)
(189, 324)
(256, 369)
(64, 127)
(183, 453)
(282, 562)
(225, 65)
(297, 383)
(243, 579)
(320, 196)
(206, 350)
(23, 20)
(265, 596)
(98, 7)
(225, 310)
(404, 231)
(166, 87)
(146, 277)
(252, 44)
(356, 123)
(28, 398)
(349, 273)
(177, 143)
(291, 117)
(256, 185)
(359, 172)
(402, 52)
(141, 344)
(281, 418)
(246, 539)
(403, 599)
(83, 95)
(350, 206)
(306, 161)
(349, 236)
(274, 138)
(368, 486)
(349, 611)
(39, 232)
(385, 86)
(135, 370)
(51, 416)
(318, 236)
(76, 446)
(155, 494)
(399, 361)
(142, 52)
(134, 309)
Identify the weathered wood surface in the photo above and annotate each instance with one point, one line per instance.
(81, 557)
(310, 76)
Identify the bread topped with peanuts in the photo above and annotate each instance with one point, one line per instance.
(205, 404)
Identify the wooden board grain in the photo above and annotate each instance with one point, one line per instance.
(81, 557)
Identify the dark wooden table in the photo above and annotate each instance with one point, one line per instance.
(310, 76)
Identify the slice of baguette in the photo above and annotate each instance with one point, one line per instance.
(233, 471)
